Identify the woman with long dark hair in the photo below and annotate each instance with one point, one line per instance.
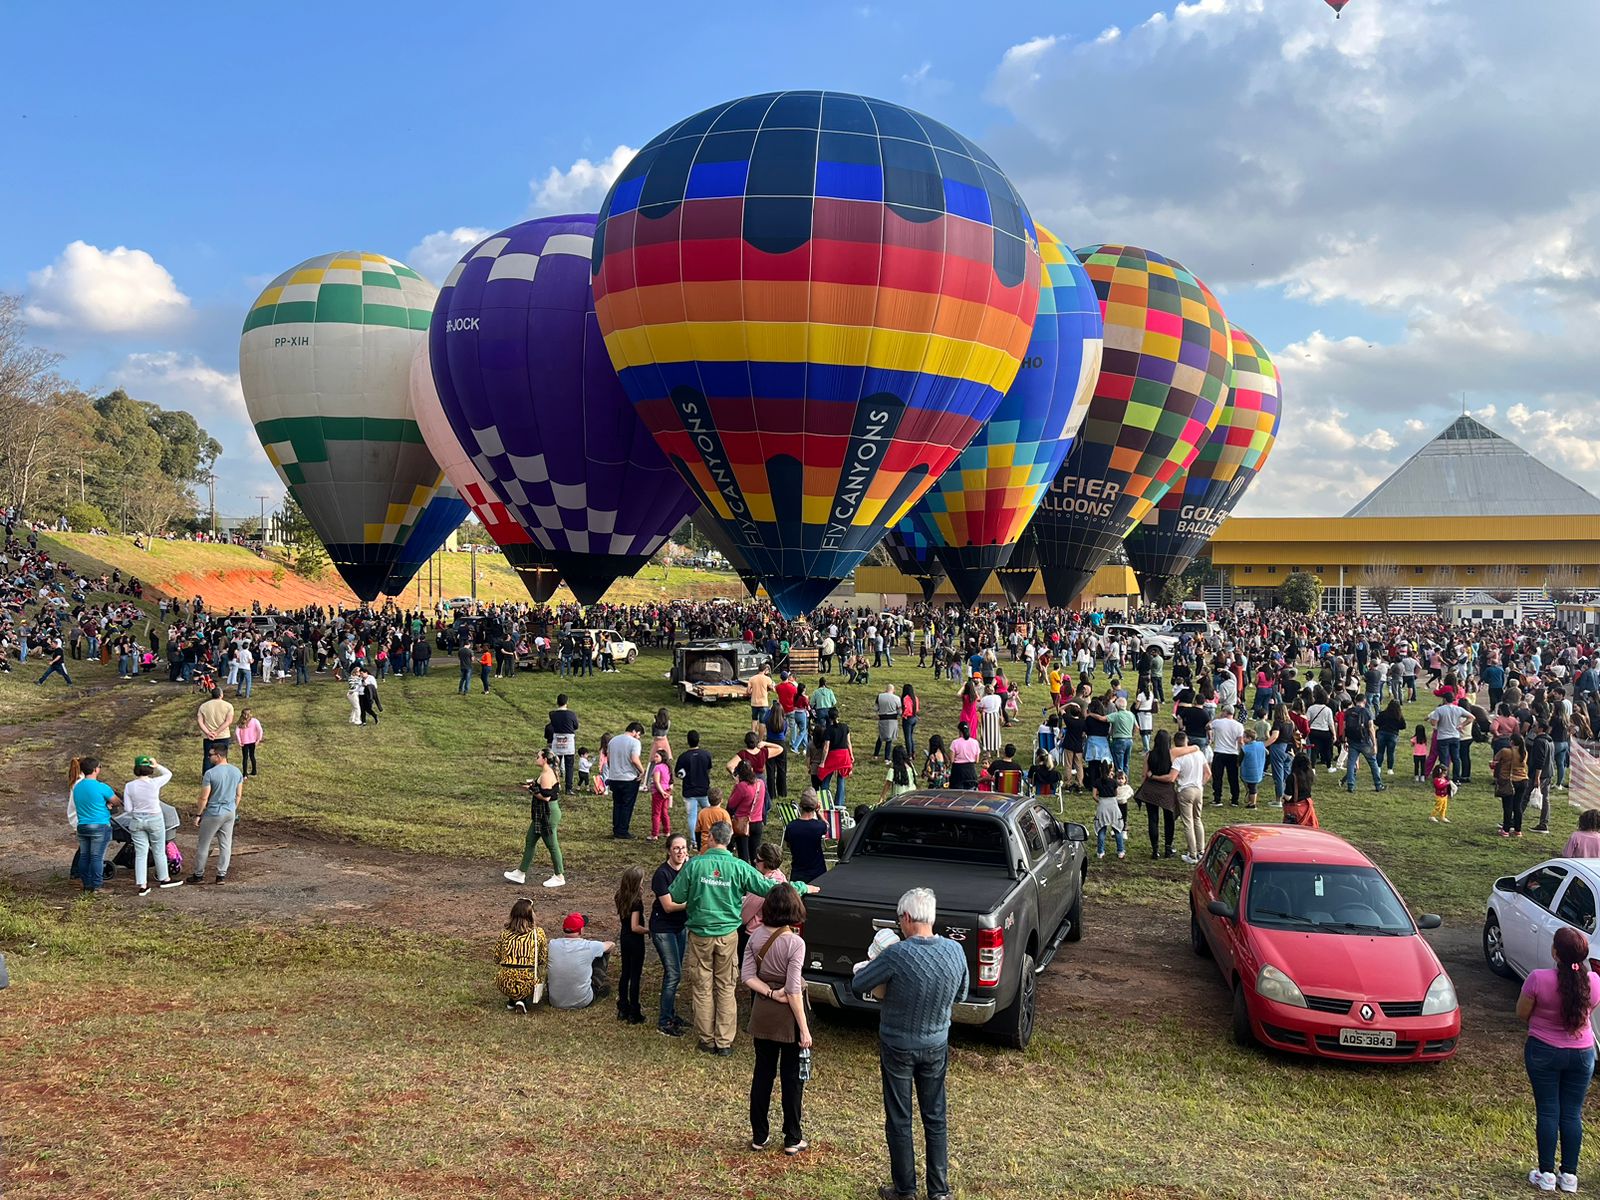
(964, 758)
(1511, 785)
(1159, 792)
(1559, 1055)
(1298, 807)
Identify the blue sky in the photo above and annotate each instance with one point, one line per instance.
(1334, 182)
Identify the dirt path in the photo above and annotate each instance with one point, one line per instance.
(1134, 959)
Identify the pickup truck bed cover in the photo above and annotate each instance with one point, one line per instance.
(882, 880)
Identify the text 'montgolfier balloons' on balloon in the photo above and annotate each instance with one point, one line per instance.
(1189, 515)
(980, 506)
(525, 381)
(1163, 377)
(324, 362)
(815, 300)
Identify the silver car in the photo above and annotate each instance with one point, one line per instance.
(1525, 910)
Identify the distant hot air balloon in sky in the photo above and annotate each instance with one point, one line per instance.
(980, 506)
(527, 559)
(1187, 517)
(1163, 378)
(524, 379)
(815, 300)
(912, 552)
(324, 362)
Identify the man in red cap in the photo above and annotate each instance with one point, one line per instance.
(577, 976)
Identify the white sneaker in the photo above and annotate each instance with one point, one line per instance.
(1545, 1181)
(1391, 770)
(1100, 854)
(515, 876)
(1333, 770)
(1567, 1182)
(556, 881)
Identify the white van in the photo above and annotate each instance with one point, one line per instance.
(1194, 610)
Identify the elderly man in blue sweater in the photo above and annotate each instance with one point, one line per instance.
(925, 976)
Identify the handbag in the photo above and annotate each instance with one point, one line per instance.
(771, 1019)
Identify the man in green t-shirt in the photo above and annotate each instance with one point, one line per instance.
(712, 887)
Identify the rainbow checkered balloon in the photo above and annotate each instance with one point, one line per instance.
(1192, 511)
(814, 300)
(1163, 380)
(980, 506)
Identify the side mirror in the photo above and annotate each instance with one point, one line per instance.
(1221, 908)
(1077, 832)
(1429, 921)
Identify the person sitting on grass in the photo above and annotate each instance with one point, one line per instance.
(578, 966)
(523, 957)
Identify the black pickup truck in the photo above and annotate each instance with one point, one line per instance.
(1008, 877)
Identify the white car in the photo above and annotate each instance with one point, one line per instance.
(1524, 912)
(1147, 636)
(622, 650)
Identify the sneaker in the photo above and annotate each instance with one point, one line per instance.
(802, 1144)
(1541, 829)
(1100, 854)
(520, 1006)
(171, 883)
(1435, 820)
(197, 879)
(1122, 854)
(220, 879)
(669, 1030)
(1189, 858)
(511, 1005)
(515, 876)
(1545, 1181)
(1333, 770)
(1504, 833)
(1567, 1182)
(1446, 820)
(762, 1144)
(556, 881)
(144, 891)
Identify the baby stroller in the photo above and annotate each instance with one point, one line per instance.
(122, 841)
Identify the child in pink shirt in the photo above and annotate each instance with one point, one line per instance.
(250, 736)
(660, 795)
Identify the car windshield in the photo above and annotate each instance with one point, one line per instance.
(1327, 899)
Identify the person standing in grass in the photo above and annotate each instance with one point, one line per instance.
(250, 736)
(215, 718)
(523, 957)
(660, 795)
(564, 738)
(771, 969)
(925, 976)
(711, 889)
(464, 658)
(92, 802)
(219, 807)
(629, 902)
(623, 773)
(1443, 789)
(1510, 768)
(1559, 1055)
(141, 800)
(804, 835)
(544, 824)
(667, 932)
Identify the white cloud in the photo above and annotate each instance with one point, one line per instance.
(1416, 160)
(581, 187)
(104, 291)
(174, 379)
(436, 253)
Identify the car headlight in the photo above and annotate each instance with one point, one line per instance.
(1273, 984)
(1441, 997)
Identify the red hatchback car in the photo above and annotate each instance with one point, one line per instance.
(1319, 949)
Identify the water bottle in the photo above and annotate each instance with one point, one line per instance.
(805, 1064)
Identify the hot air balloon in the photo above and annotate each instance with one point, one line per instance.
(980, 506)
(1017, 575)
(442, 517)
(1337, 6)
(527, 558)
(525, 382)
(815, 300)
(723, 544)
(1174, 531)
(324, 362)
(1163, 377)
(912, 552)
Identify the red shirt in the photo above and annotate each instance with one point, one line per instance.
(786, 691)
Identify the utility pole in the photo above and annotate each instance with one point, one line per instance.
(474, 548)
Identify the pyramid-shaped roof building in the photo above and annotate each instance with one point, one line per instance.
(1470, 470)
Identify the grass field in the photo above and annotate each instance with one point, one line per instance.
(276, 1059)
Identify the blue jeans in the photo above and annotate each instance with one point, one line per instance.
(1450, 753)
(1560, 1080)
(836, 781)
(92, 843)
(1121, 750)
(244, 684)
(302, 673)
(466, 681)
(1388, 739)
(1563, 759)
(1281, 760)
(900, 1069)
(1027, 673)
(800, 739)
(908, 729)
(1356, 756)
(670, 947)
(59, 668)
(691, 810)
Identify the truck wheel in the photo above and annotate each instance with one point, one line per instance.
(1197, 937)
(633, 656)
(1014, 1026)
(1075, 916)
(1243, 1035)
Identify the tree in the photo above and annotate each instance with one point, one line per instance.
(187, 451)
(1381, 581)
(1301, 592)
(310, 559)
(472, 533)
(1175, 589)
(82, 518)
(1501, 582)
(1563, 583)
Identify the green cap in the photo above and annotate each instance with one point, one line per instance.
(144, 760)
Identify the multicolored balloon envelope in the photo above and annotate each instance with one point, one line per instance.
(724, 545)
(1016, 576)
(441, 518)
(325, 362)
(913, 552)
(1163, 378)
(1189, 515)
(525, 382)
(528, 559)
(980, 506)
(815, 301)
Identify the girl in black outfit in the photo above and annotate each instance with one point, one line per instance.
(630, 912)
(1159, 791)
